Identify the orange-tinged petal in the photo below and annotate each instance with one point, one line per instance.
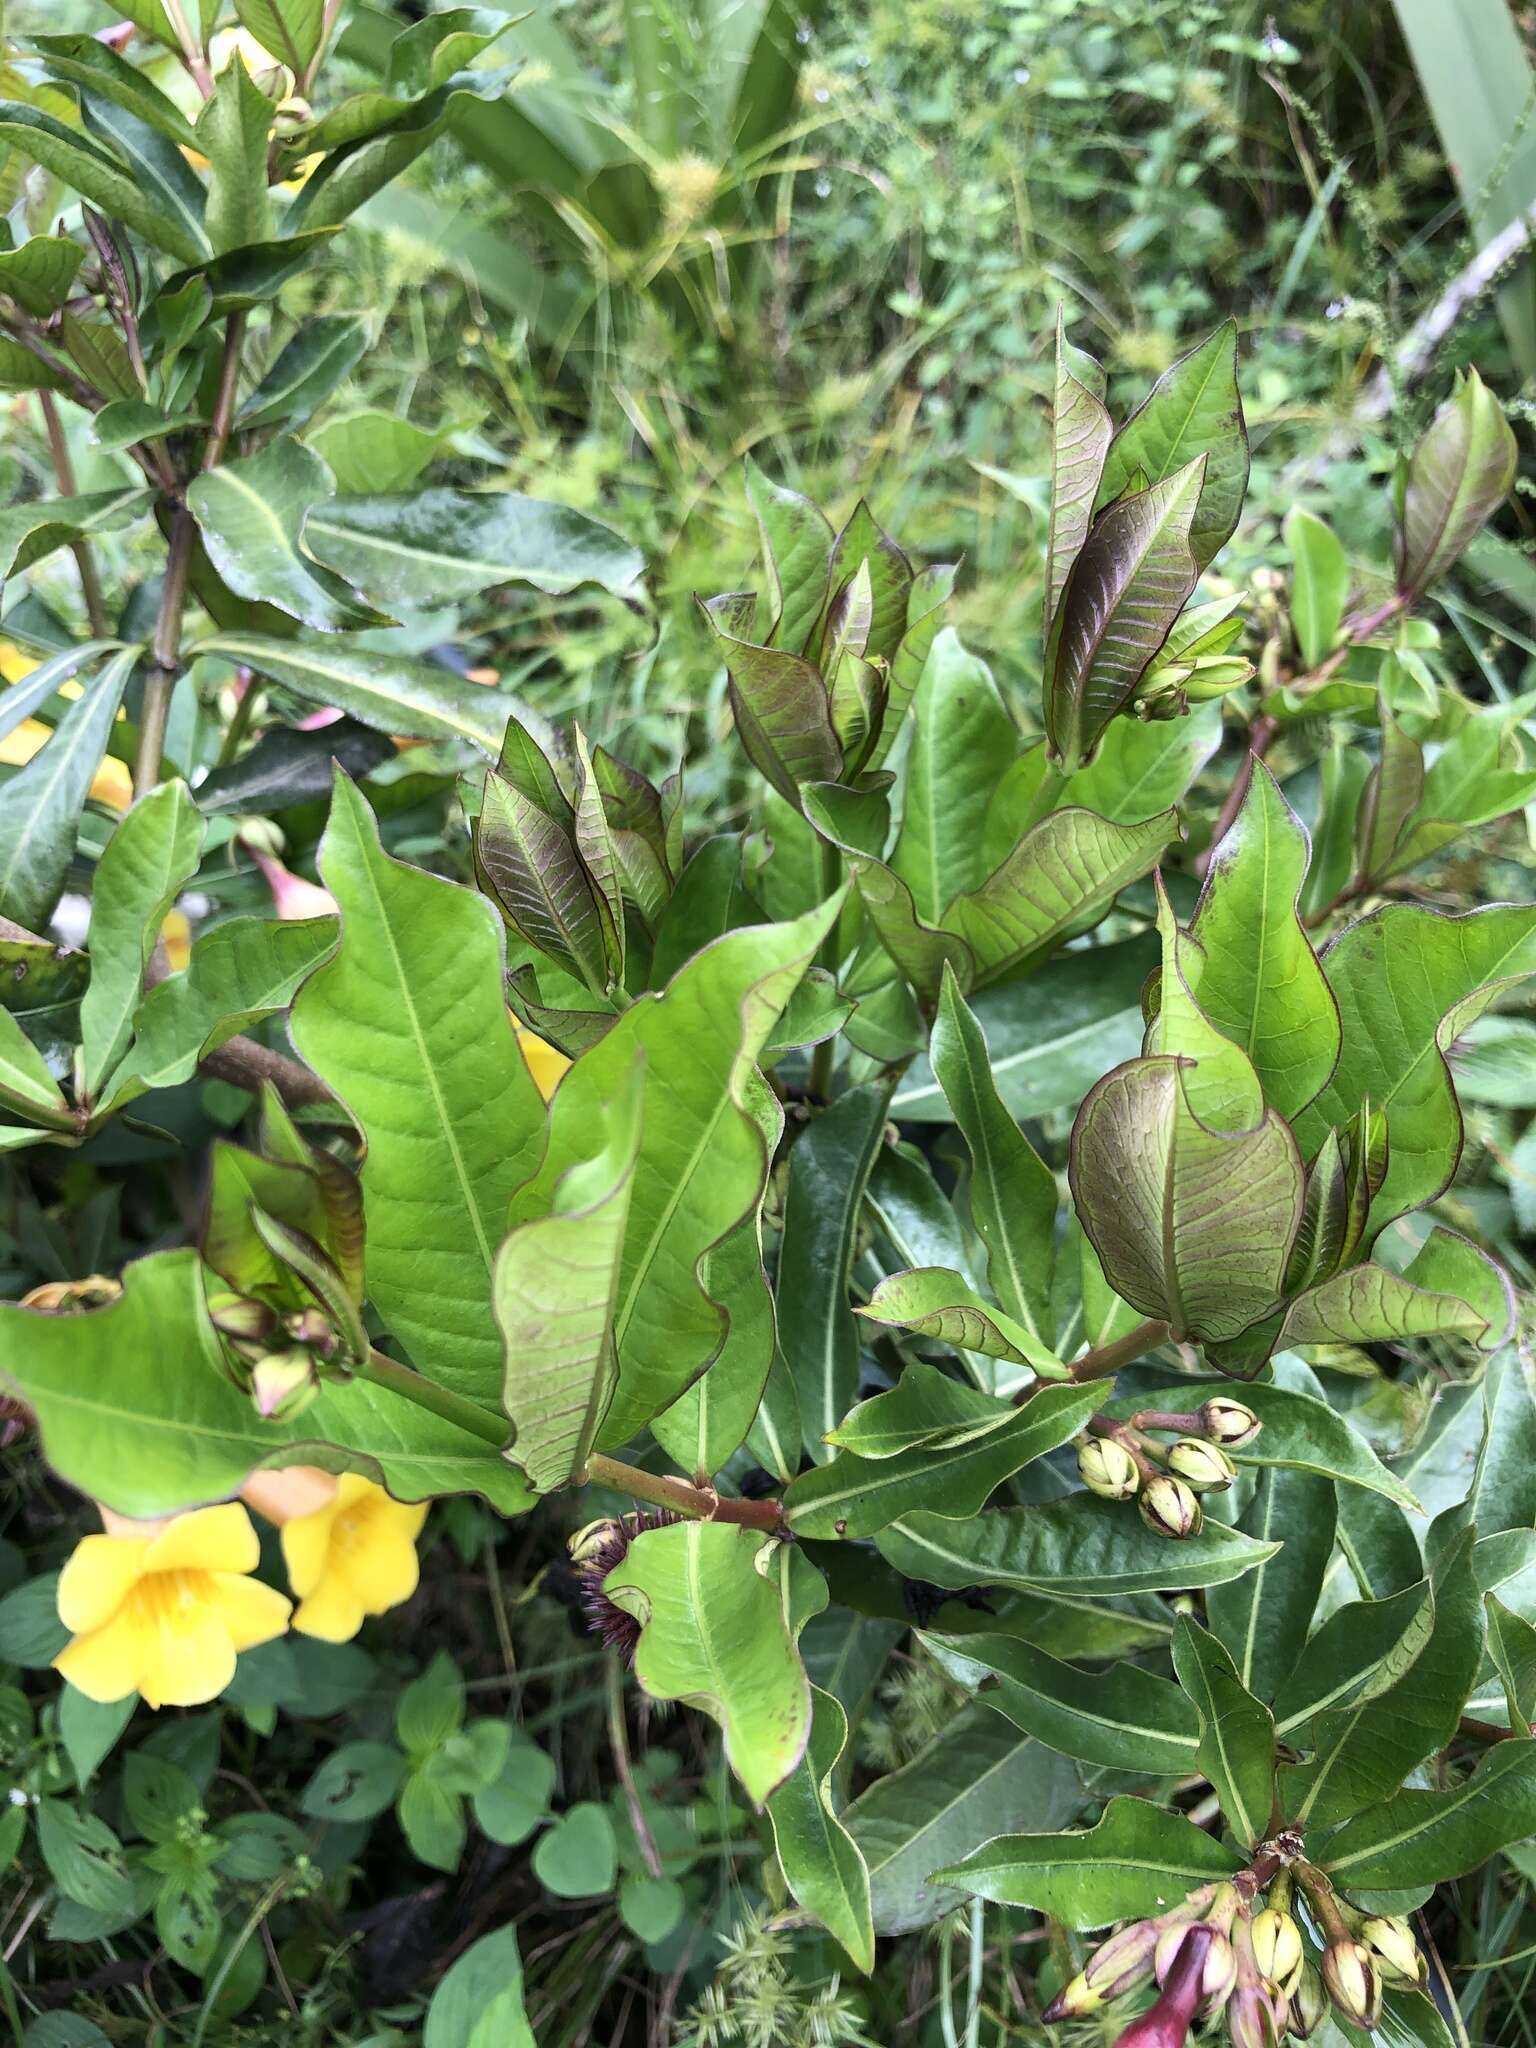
(98, 1578)
(254, 1613)
(332, 1612)
(285, 1495)
(306, 1542)
(217, 1539)
(104, 1664)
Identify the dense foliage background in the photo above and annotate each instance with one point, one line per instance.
(856, 283)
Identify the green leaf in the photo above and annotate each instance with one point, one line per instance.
(713, 1602)
(41, 804)
(291, 31)
(130, 422)
(432, 1821)
(305, 372)
(84, 1858)
(709, 1421)
(1138, 1860)
(1079, 1545)
(27, 1087)
(1262, 1616)
(39, 272)
(1459, 474)
(1193, 1226)
(797, 542)
(153, 853)
(1300, 1432)
(1320, 582)
(1359, 1651)
(553, 1290)
(1260, 983)
(407, 1024)
(1081, 432)
(89, 1730)
(1438, 973)
(779, 702)
(1221, 1084)
(478, 2003)
(1369, 1305)
(83, 61)
(1127, 587)
(252, 513)
(21, 370)
(153, 207)
(356, 1782)
(1392, 795)
(1124, 1719)
(511, 1807)
(1051, 1037)
(30, 532)
(578, 1857)
(1193, 409)
(233, 131)
(528, 860)
(428, 548)
(371, 452)
(853, 1496)
(828, 1170)
(976, 1776)
(244, 970)
(703, 1161)
(934, 1302)
(1425, 1837)
(1237, 1732)
(1012, 1192)
(822, 1864)
(137, 1409)
(926, 601)
(393, 693)
(924, 1407)
(962, 735)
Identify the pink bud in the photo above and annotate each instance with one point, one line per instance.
(1167, 2024)
(293, 896)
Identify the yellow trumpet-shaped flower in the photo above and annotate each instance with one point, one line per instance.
(165, 1614)
(544, 1061)
(353, 1557)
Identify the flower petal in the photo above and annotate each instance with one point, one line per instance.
(332, 1612)
(253, 1612)
(306, 1542)
(105, 1663)
(217, 1539)
(191, 1657)
(99, 1576)
(385, 1572)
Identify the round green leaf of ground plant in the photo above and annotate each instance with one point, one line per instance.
(1137, 1861)
(355, 1782)
(513, 1804)
(479, 2003)
(578, 1857)
(711, 1600)
(650, 1907)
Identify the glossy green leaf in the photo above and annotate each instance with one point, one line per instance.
(1368, 1304)
(1425, 1837)
(1260, 982)
(1192, 410)
(38, 273)
(393, 693)
(779, 702)
(158, 213)
(716, 1607)
(797, 541)
(1359, 1651)
(83, 60)
(818, 1334)
(41, 804)
(932, 1301)
(138, 1410)
(1262, 1616)
(150, 857)
(1079, 1545)
(305, 371)
(377, 452)
(407, 1024)
(924, 1407)
(962, 737)
(1221, 1084)
(479, 1999)
(976, 1776)
(1459, 474)
(1124, 1718)
(1320, 581)
(251, 514)
(1408, 982)
(1138, 1860)
(853, 1496)
(233, 130)
(553, 1289)
(1012, 1192)
(1512, 1645)
(30, 532)
(1237, 1731)
(702, 1165)
(822, 1864)
(710, 1420)
(1081, 432)
(291, 30)
(1192, 1226)
(426, 548)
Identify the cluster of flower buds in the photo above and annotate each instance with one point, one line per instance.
(1124, 1461)
(278, 1359)
(1219, 1954)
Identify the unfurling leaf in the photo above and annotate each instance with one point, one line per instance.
(1458, 476)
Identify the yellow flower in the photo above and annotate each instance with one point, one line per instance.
(165, 1614)
(544, 1061)
(352, 1557)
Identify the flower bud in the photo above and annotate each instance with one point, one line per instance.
(1309, 2002)
(1277, 1947)
(1220, 1972)
(1251, 2018)
(1108, 1469)
(1169, 1508)
(1349, 1971)
(1074, 2001)
(283, 1384)
(1205, 1467)
(234, 1316)
(310, 1327)
(1167, 2024)
(1124, 1961)
(1229, 1422)
(1395, 1951)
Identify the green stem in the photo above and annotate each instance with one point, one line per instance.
(64, 474)
(399, 1379)
(1104, 1363)
(1053, 781)
(693, 1503)
(165, 651)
